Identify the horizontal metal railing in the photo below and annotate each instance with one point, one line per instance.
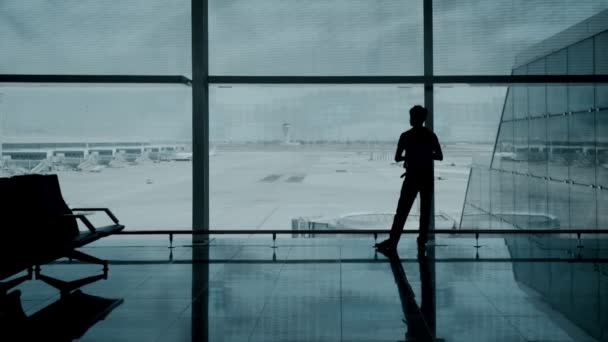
(362, 231)
(375, 233)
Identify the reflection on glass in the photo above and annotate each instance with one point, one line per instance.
(601, 131)
(510, 31)
(582, 148)
(557, 132)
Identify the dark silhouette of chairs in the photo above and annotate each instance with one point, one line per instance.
(37, 227)
(66, 319)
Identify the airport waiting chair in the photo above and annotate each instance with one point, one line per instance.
(37, 227)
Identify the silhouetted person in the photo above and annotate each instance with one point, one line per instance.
(417, 148)
(420, 320)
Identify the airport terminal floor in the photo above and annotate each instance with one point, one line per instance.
(331, 289)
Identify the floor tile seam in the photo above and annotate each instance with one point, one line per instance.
(264, 220)
(176, 319)
(257, 322)
(501, 313)
(146, 278)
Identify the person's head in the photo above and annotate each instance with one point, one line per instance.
(418, 115)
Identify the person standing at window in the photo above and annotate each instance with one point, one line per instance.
(417, 149)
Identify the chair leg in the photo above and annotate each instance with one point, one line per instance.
(78, 255)
(7, 285)
(66, 287)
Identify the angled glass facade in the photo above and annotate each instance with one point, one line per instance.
(549, 168)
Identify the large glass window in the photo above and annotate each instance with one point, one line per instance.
(489, 37)
(466, 120)
(131, 37)
(126, 147)
(316, 37)
(313, 152)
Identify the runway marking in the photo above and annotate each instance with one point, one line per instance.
(295, 179)
(271, 178)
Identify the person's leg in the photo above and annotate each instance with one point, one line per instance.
(426, 196)
(406, 199)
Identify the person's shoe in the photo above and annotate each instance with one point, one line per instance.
(386, 246)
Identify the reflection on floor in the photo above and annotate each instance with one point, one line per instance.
(242, 289)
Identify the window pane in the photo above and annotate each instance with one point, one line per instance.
(494, 37)
(466, 121)
(538, 204)
(583, 213)
(582, 148)
(504, 153)
(601, 68)
(601, 132)
(538, 153)
(559, 203)
(315, 37)
(111, 146)
(130, 37)
(557, 132)
(307, 152)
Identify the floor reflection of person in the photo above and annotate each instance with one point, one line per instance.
(420, 320)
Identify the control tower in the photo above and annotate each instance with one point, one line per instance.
(286, 133)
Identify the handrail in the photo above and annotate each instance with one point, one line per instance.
(364, 231)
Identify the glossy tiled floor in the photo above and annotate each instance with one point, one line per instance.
(241, 289)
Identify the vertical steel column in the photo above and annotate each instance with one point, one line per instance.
(428, 85)
(427, 9)
(200, 119)
(200, 170)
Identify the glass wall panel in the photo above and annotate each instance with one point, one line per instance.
(520, 95)
(307, 152)
(496, 200)
(580, 62)
(507, 112)
(465, 120)
(557, 95)
(537, 95)
(315, 37)
(504, 155)
(538, 152)
(601, 131)
(580, 58)
(521, 217)
(132, 37)
(507, 197)
(601, 68)
(117, 146)
(492, 37)
(582, 150)
(538, 202)
(583, 213)
(521, 146)
(559, 203)
(557, 134)
(602, 204)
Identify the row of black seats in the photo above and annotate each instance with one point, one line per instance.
(37, 227)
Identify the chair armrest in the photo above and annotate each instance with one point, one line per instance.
(106, 210)
(84, 220)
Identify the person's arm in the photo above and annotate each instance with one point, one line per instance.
(399, 157)
(437, 154)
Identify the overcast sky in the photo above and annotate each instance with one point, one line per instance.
(247, 37)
